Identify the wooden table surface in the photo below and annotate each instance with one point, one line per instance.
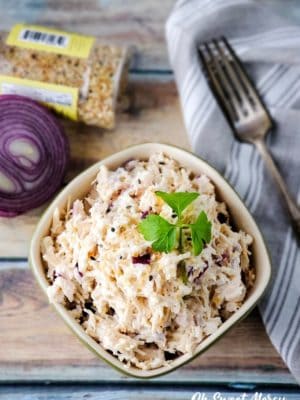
(36, 347)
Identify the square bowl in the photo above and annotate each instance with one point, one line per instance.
(79, 186)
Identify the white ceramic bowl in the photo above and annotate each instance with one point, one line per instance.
(240, 215)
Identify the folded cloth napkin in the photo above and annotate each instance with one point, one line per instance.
(269, 45)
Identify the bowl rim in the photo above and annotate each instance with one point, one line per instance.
(37, 267)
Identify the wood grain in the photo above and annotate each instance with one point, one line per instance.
(139, 24)
(133, 393)
(36, 346)
(34, 340)
(151, 112)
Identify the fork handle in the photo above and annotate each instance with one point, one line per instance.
(293, 208)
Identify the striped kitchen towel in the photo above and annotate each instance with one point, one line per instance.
(269, 45)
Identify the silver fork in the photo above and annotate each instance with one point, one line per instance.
(242, 106)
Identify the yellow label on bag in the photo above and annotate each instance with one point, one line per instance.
(61, 98)
(51, 40)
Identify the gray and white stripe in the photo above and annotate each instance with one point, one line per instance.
(270, 47)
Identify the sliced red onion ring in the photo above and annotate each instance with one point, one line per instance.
(34, 153)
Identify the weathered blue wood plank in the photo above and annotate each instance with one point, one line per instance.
(101, 373)
(143, 393)
(139, 24)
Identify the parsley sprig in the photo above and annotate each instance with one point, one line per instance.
(166, 236)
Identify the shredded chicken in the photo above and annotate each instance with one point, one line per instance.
(129, 298)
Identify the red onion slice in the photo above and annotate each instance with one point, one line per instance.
(34, 153)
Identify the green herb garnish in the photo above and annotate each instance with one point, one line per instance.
(178, 201)
(201, 232)
(166, 236)
(160, 232)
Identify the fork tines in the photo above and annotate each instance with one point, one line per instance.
(228, 80)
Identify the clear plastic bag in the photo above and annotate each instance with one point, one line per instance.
(97, 79)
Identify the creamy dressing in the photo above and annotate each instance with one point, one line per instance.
(143, 312)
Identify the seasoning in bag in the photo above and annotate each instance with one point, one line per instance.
(78, 76)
